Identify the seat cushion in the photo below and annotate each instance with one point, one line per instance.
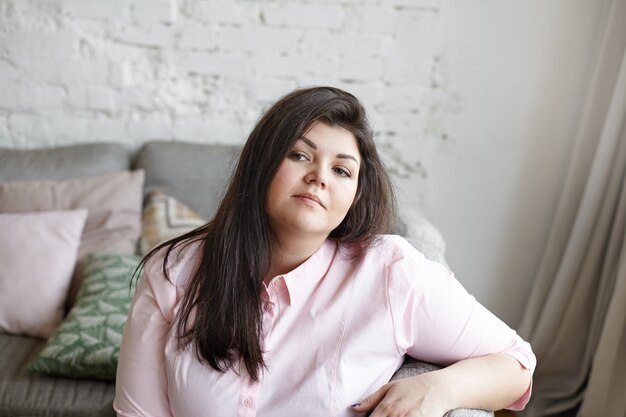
(23, 394)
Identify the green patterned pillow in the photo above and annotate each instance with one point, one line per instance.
(87, 343)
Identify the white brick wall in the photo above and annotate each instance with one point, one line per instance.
(232, 12)
(292, 14)
(203, 70)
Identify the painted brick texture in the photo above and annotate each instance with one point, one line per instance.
(198, 70)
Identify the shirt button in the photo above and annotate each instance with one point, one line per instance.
(276, 283)
(248, 402)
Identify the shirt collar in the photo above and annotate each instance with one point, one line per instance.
(299, 281)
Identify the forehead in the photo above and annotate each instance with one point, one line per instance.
(323, 136)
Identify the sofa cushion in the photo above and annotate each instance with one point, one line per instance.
(87, 343)
(38, 253)
(114, 204)
(165, 218)
(195, 174)
(24, 394)
(62, 162)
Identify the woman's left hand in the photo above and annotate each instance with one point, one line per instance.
(423, 395)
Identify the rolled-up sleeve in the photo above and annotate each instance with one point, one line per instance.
(437, 320)
(141, 384)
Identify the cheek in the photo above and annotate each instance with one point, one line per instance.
(347, 195)
(280, 181)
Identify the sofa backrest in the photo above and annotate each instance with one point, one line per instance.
(62, 162)
(195, 174)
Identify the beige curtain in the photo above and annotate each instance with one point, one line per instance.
(576, 315)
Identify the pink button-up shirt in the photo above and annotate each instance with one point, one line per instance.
(335, 329)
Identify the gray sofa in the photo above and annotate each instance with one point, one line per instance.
(193, 173)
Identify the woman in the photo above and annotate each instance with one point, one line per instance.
(289, 302)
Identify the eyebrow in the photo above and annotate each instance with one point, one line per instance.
(339, 155)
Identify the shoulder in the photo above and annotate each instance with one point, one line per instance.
(391, 249)
(406, 268)
(387, 257)
(178, 262)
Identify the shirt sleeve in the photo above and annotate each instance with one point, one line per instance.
(141, 383)
(437, 320)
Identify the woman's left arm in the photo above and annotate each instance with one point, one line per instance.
(436, 320)
(490, 382)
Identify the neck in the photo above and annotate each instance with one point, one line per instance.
(288, 253)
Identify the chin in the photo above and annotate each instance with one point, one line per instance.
(303, 224)
(308, 228)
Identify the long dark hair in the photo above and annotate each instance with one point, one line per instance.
(221, 311)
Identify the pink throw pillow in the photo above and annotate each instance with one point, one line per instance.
(113, 200)
(38, 253)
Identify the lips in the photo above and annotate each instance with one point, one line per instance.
(311, 197)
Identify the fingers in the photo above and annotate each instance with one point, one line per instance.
(372, 401)
(416, 396)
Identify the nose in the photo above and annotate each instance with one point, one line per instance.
(317, 176)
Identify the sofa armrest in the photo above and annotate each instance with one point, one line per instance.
(413, 367)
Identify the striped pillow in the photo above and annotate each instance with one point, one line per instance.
(165, 218)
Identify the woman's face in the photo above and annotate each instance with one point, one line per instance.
(316, 183)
